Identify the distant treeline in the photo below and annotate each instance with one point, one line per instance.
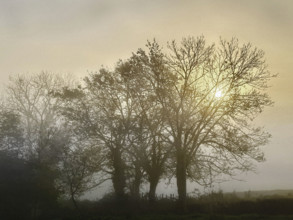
(182, 114)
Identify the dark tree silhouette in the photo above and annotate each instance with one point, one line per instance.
(208, 95)
(103, 111)
(148, 148)
(11, 133)
(16, 187)
(80, 167)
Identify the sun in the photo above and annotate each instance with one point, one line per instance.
(218, 94)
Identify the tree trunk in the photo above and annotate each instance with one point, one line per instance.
(74, 202)
(137, 181)
(153, 186)
(118, 177)
(181, 179)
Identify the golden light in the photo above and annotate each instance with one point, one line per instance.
(218, 94)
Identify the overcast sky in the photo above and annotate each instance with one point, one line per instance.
(77, 36)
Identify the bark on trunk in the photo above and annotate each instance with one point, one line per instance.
(118, 177)
(181, 180)
(155, 170)
(136, 183)
(153, 186)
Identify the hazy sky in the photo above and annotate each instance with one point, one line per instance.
(77, 36)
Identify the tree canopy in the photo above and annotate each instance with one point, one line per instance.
(185, 112)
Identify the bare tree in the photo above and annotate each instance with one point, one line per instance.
(104, 111)
(80, 168)
(148, 148)
(208, 95)
(30, 97)
(81, 160)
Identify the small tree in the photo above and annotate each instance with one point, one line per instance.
(82, 159)
(80, 168)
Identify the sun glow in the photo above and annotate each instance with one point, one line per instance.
(218, 94)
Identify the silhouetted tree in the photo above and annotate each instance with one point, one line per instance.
(11, 133)
(148, 149)
(16, 187)
(103, 110)
(80, 167)
(208, 95)
(29, 97)
(27, 189)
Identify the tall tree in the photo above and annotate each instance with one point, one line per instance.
(104, 111)
(208, 96)
(149, 148)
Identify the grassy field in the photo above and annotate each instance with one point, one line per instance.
(208, 207)
(196, 217)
